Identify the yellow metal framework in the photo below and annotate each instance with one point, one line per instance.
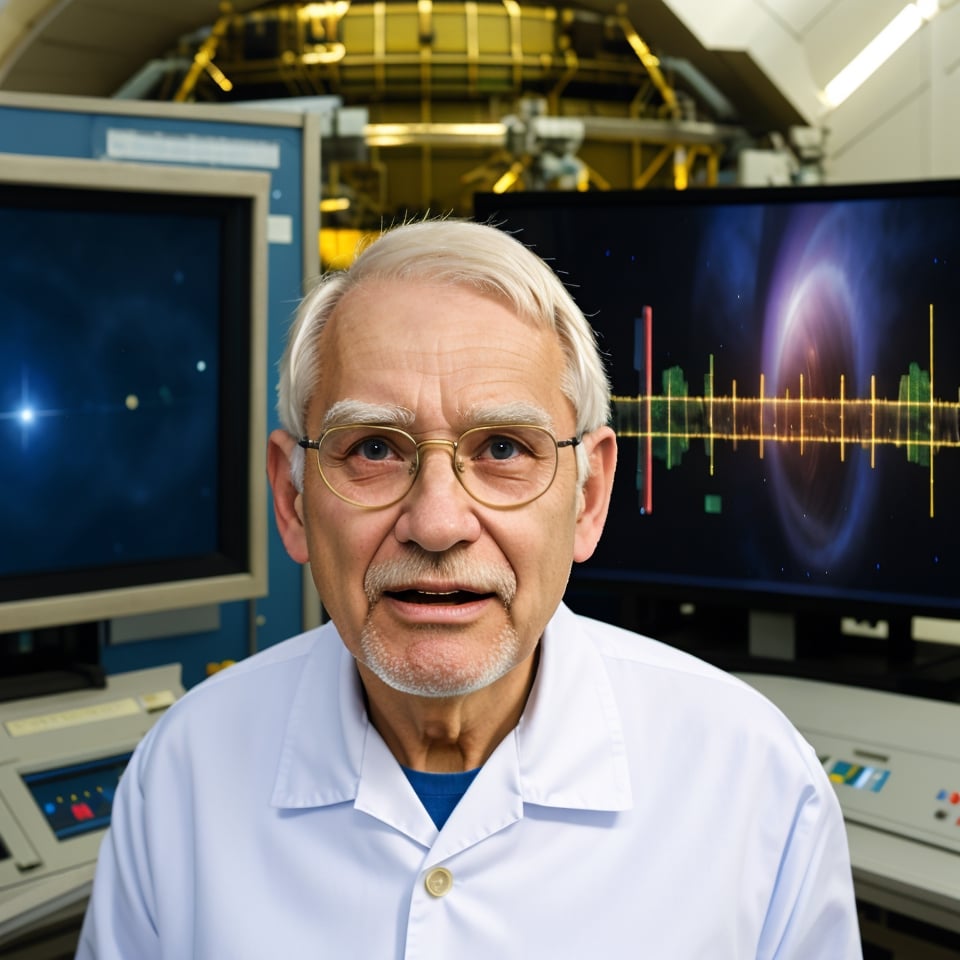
(429, 48)
(425, 52)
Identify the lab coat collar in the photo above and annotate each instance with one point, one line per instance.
(566, 752)
(570, 741)
(322, 747)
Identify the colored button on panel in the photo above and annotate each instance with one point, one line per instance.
(439, 882)
(81, 811)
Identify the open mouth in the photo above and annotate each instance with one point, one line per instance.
(447, 597)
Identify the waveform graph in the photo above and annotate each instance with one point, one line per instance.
(816, 436)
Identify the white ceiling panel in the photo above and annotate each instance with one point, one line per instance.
(798, 15)
(834, 39)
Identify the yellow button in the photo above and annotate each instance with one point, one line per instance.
(439, 882)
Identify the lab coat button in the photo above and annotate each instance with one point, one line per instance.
(439, 882)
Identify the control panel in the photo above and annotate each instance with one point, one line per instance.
(894, 762)
(61, 759)
(912, 793)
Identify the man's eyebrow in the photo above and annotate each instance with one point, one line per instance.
(519, 411)
(359, 411)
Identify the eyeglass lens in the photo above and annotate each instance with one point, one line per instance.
(501, 465)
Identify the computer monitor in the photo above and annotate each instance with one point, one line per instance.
(786, 365)
(132, 388)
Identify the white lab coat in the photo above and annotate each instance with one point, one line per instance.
(646, 805)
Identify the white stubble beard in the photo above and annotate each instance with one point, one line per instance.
(442, 676)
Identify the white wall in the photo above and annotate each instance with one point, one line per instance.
(903, 123)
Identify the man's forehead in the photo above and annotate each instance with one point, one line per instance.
(353, 307)
(410, 355)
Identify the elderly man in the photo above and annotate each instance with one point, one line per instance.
(456, 765)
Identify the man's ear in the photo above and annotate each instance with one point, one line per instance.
(287, 500)
(601, 449)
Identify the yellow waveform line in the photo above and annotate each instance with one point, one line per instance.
(801, 414)
(869, 422)
(761, 415)
(786, 406)
(733, 393)
(843, 387)
(762, 437)
(931, 411)
(669, 425)
(710, 412)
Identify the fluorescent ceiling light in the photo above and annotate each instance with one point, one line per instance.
(893, 36)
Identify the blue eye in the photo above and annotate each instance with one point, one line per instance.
(373, 448)
(502, 448)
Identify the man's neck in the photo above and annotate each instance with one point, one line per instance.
(449, 734)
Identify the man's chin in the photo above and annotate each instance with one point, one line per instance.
(438, 661)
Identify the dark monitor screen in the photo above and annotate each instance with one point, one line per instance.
(786, 367)
(132, 319)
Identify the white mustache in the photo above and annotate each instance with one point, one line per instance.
(420, 569)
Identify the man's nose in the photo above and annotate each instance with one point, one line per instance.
(437, 513)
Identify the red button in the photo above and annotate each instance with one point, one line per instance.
(955, 797)
(81, 811)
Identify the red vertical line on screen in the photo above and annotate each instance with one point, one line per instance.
(931, 410)
(648, 445)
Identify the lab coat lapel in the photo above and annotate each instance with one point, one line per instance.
(567, 751)
(322, 748)
(571, 748)
(331, 753)
(385, 793)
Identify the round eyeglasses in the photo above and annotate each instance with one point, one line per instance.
(501, 465)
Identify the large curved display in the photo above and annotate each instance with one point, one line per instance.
(786, 364)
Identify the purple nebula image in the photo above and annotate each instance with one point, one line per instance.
(814, 350)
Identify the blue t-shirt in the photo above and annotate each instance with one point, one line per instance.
(440, 792)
